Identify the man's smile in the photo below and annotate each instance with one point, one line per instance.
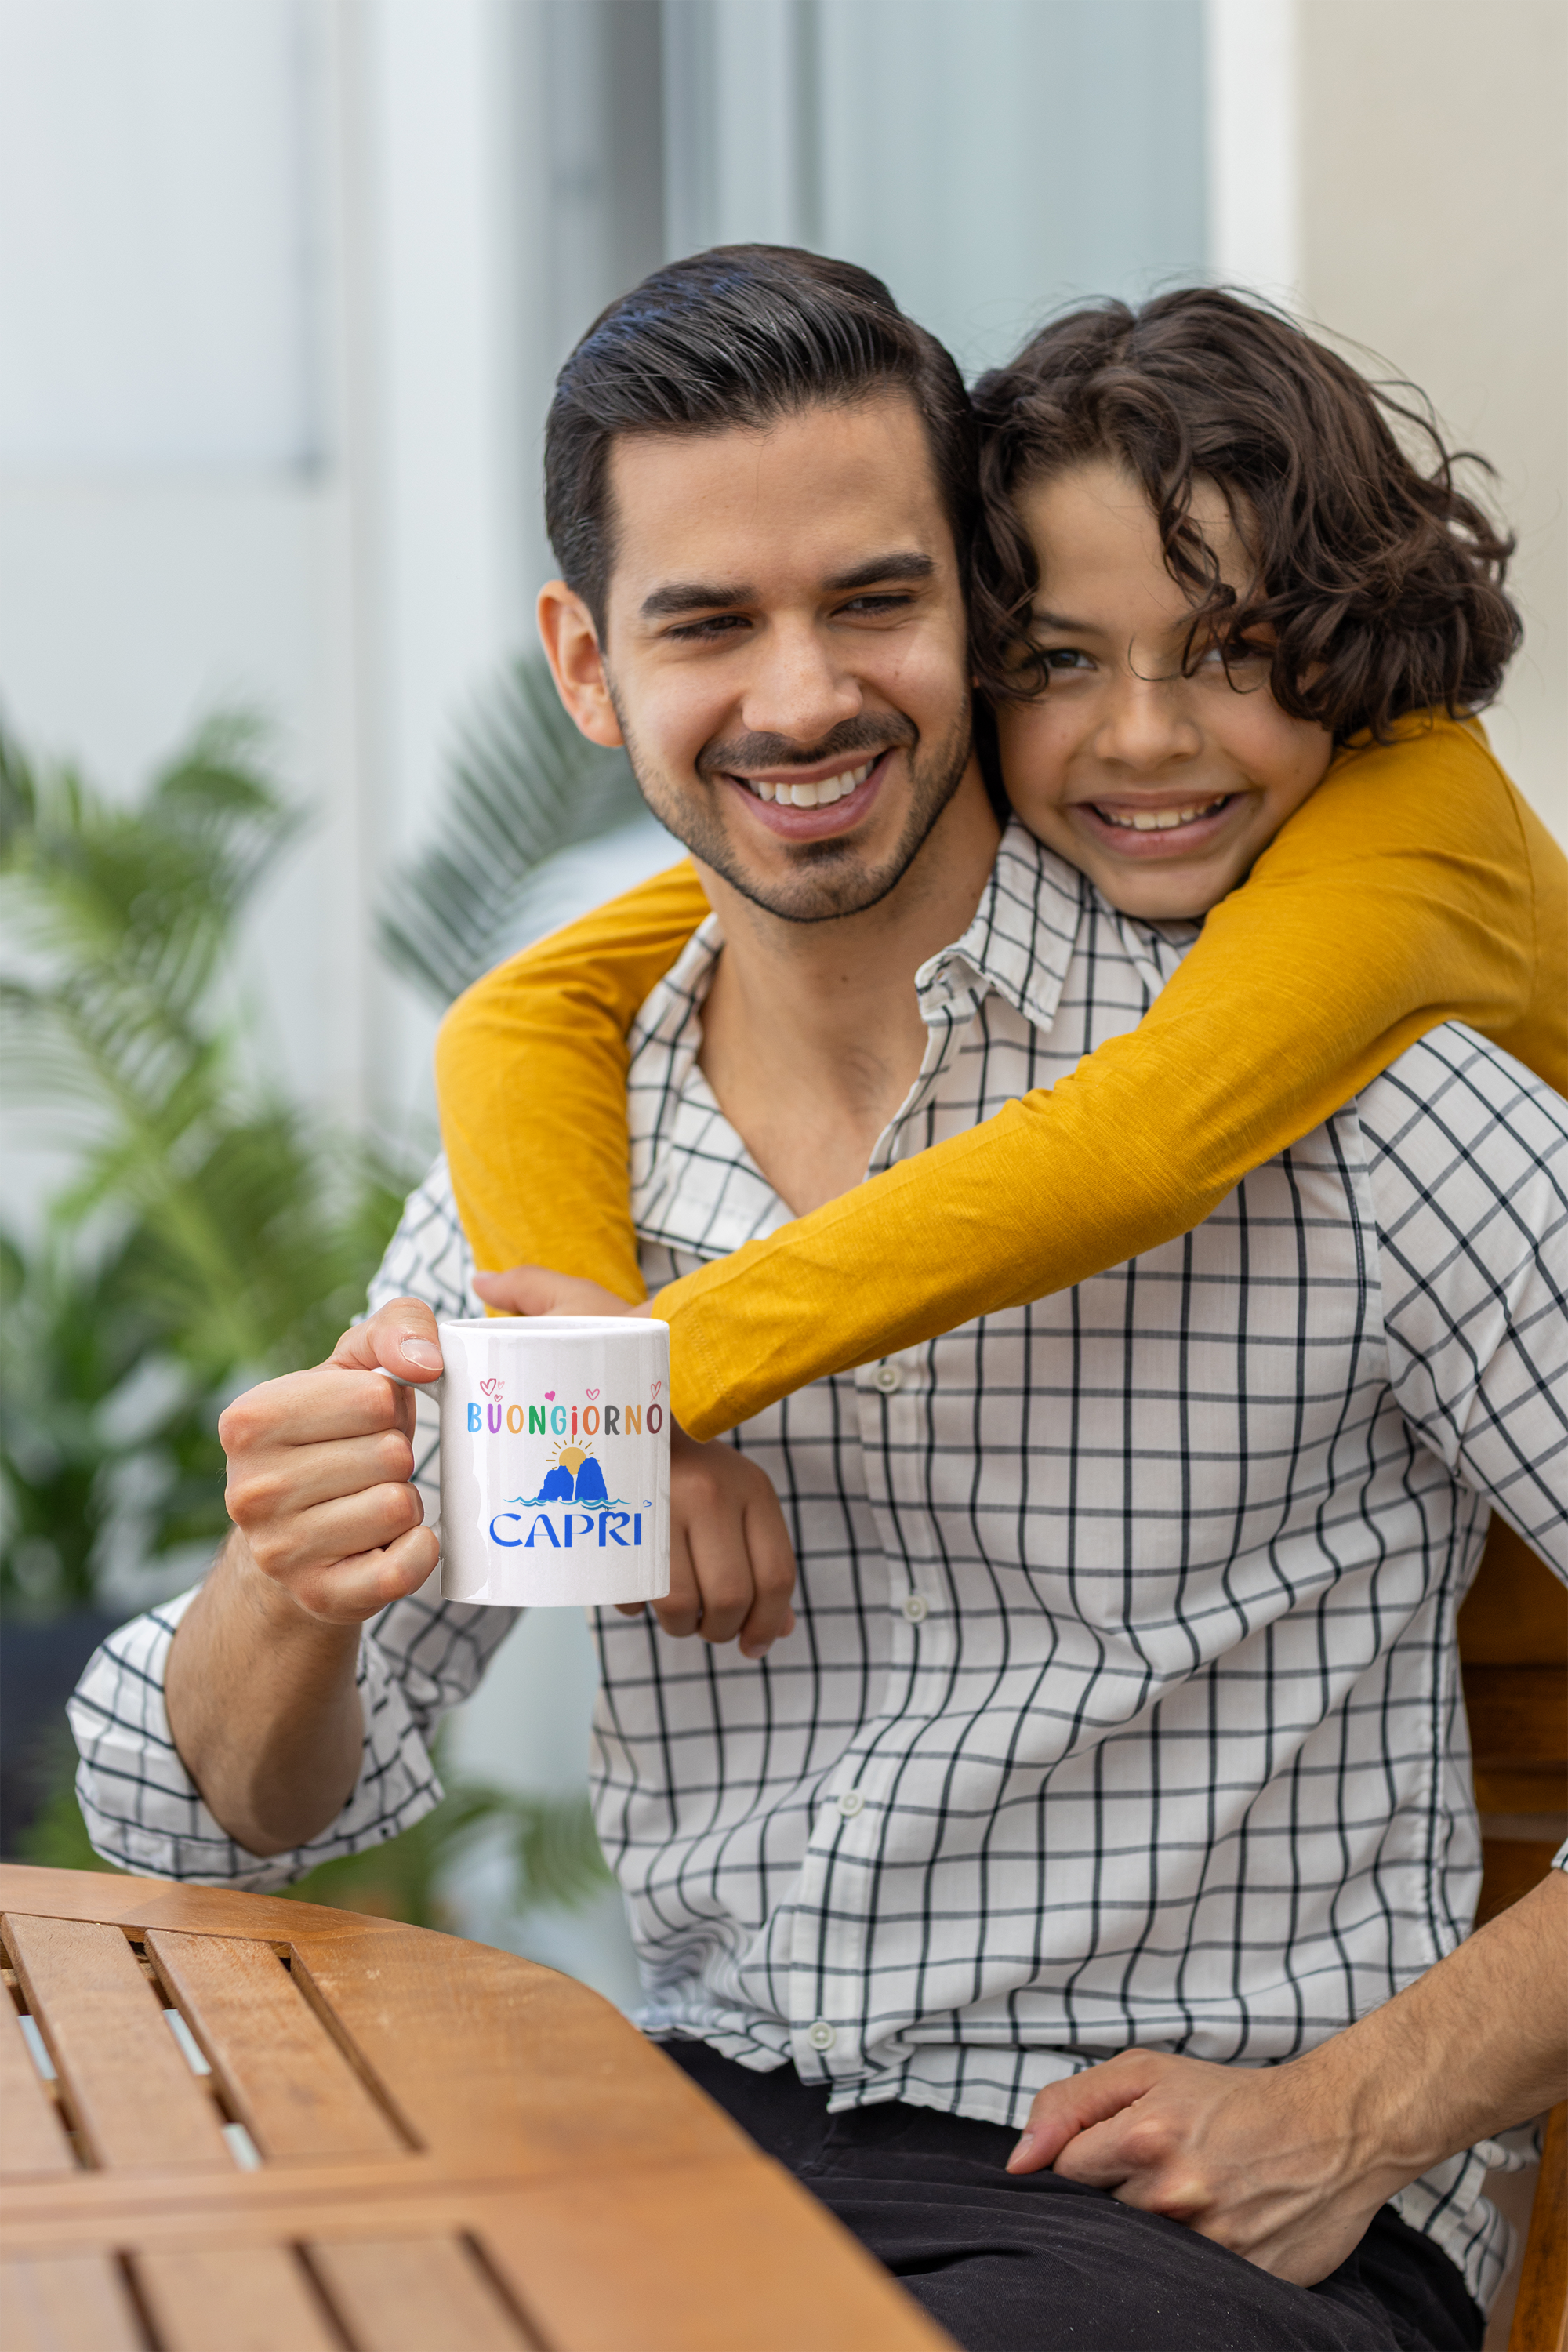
(812, 804)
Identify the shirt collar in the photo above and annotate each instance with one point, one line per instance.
(1022, 938)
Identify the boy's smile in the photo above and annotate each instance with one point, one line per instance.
(1161, 788)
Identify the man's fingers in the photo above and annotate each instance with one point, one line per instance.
(353, 1590)
(537, 1290)
(275, 1482)
(400, 1337)
(681, 1609)
(1062, 2110)
(304, 1410)
(305, 1543)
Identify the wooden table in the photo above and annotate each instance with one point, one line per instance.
(366, 2136)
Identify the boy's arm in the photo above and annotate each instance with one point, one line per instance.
(1413, 887)
(531, 1069)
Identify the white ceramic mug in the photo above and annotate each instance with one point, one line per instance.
(555, 1460)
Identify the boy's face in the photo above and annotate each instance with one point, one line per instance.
(784, 653)
(1163, 789)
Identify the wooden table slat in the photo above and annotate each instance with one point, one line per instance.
(32, 2136)
(411, 2295)
(234, 2299)
(134, 2097)
(285, 2077)
(66, 2302)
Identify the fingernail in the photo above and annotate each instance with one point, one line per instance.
(423, 1353)
(1024, 2144)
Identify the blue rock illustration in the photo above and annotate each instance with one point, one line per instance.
(557, 1486)
(590, 1487)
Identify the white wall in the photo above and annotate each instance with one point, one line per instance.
(1435, 230)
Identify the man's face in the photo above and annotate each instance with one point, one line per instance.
(1163, 789)
(785, 649)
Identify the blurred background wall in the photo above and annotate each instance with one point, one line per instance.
(284, 285)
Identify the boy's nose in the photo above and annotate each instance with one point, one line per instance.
(1148, 725)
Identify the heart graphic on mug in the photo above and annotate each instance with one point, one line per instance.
(654, 1387)
(592, 1395)
(548, 1396)
(490, 1388)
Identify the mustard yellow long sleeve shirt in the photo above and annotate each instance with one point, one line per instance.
(1414, 886)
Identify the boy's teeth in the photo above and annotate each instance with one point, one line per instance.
(818, 795)
(1162, 820)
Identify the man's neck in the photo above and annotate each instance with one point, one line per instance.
(812, 1033)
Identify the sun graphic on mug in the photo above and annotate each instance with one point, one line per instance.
(573, 1457)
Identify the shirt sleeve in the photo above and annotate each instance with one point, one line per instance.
(1469, 1165)
(417, 1660)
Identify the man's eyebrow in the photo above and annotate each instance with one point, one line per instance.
(904, 563)
(693, 597)
(701, 597)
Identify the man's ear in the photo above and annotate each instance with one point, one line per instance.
(570, 644)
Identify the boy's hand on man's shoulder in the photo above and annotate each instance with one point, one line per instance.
(319, 1466)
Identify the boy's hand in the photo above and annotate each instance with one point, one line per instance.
(731, 1565)
(538, 1290)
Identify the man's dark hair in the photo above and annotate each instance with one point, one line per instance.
(1382, 581)
(743, 334)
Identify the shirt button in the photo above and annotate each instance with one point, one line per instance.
(850, 1803)
(890, 1380)
(821, 2036)
(916, 1608)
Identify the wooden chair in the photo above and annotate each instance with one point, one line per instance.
(273, 2128)
(1513, 1647)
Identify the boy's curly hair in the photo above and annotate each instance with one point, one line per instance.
(1382, 583)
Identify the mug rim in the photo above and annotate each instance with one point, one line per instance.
(561, 1326)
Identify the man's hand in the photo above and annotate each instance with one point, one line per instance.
(260, 1683)
(319, 1464)
(731, 1565)
(1261, 2158)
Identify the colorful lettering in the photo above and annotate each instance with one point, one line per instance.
(585, 1530)
(590, 1421)
(654, 1419)
(536, 1421)
(476, 1418)
(612, 1421)
(607, 1530)
(511, 1543)
(634, 1420)
(514, 1419)
(492, 1414)
(574, 1421)
(558, 1420)
(542, 1519)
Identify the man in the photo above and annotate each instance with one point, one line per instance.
(1048, 1768)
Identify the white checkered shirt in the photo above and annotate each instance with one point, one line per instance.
(1123, 1702)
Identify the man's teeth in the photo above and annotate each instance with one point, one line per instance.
(819, 795)
(1162, 820)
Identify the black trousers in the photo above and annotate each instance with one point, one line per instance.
(1035, 2263)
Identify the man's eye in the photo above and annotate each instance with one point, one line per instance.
(716, 624)
(877, 605)
(1065, 658)
(1235, 652)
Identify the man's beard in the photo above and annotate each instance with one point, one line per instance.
(827, 879)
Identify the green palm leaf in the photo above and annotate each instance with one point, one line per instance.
(524, 785)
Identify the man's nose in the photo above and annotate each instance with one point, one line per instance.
(797, 685)
(1147, 723)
